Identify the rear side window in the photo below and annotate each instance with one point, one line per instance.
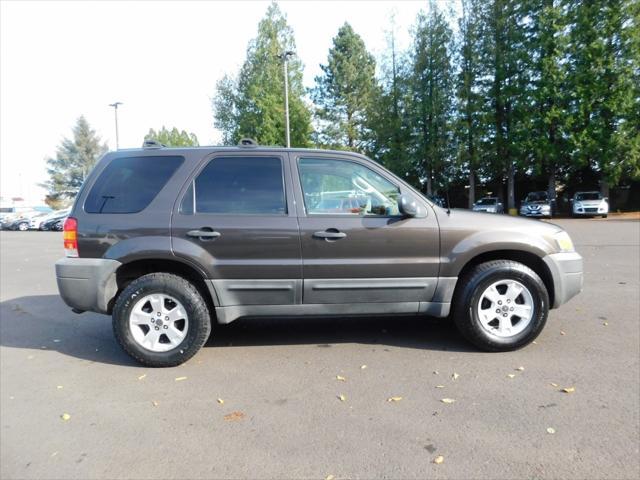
(238, 185)
(128, 185)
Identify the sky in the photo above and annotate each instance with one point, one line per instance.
(60, 60)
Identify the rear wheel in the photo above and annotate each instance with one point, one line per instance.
(23, 227)
(161, 320)
(501, 305)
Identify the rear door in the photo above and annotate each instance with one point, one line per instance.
(236, 219)
(356, 247)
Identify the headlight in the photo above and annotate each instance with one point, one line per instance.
(578, 204)
(564, 241)
(546, 207)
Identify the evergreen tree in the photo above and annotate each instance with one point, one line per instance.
(432, 96)
(73, 161)
(604, 66)
(252, 104)
(469, 129)
(344, 92)
(173, 137)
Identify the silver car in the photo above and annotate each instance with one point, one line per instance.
(589, 204)
(536, 204)
(488, 205)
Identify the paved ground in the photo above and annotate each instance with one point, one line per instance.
(128, 421)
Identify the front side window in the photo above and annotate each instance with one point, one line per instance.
(239, 185)
(129, 184)
(346, 188)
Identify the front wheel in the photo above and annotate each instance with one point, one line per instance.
(501, 305)
(161, 320)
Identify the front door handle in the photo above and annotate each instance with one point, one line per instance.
(205, 233)
(330, 234)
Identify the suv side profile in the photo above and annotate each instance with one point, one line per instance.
(169, 241)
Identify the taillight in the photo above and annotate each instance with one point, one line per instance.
(70, 236)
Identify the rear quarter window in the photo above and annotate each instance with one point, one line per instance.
(129, 184)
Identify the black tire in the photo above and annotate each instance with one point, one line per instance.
(605, 216)
(182, 290)
(474, 283)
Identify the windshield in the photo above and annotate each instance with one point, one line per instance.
(487, 201)
(536, 197)
(588, 196)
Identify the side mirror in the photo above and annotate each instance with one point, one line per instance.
(408, 206)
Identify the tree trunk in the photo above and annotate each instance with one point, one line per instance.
(511, 197)
(551, 190)
(472, 188)
(604, 187)
(429, 185)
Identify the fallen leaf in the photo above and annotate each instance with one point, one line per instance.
(435, 372)
(221, 401)
(342, 398)
(341, 378)
(455, 376)
(234, 416)
(179, 379)
(143, 376)
(534, 342)
(520, 369)
(154, 403)
(511, 375)
(554, 384)
(329, 477)
(447, 400)
(562, 333)
(438, 460)
(362, 367)
(605, 323)
(394, 399)
(568, 389)
(551, 430)
(439, 386)
(65, 416)
(54, 454)
(59, 387)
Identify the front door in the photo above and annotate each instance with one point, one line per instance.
(237, 219)
(356, 247)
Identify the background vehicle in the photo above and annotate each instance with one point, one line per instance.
(54, 223)
(488, 205)
(20, 220)
(169, 240)
(589, 204)
(36, 222)
(536, 204)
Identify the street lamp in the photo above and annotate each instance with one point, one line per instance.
(115, 108)
(285, 57)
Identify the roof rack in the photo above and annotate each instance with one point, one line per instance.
(247, 143)
(150, 143)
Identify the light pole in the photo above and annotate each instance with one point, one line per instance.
(115, 109)
(285, 59)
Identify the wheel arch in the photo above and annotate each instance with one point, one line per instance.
(531, 260)
(127, 272)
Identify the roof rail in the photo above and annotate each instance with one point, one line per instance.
(150, 143)
(247, 142)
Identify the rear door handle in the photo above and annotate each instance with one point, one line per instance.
(205, 233)
(330, 234)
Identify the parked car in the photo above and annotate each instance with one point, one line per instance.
(536, 204)
(488, 205)
(36, 222)
(589, 204)
(171, 240)
(21, 224)
(54, 223)
(19, 220)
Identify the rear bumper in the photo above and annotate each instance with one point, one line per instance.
(566, 271)
(87, 283)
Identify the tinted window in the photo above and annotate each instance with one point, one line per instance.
(240, 185)
(129, 184)
(342, 187)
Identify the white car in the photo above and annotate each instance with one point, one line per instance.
(590, 204)
(36, 222)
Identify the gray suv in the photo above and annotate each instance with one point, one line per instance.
(170, 241)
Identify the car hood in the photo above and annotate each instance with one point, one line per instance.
(478, 221)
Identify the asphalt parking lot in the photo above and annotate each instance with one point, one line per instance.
(281, 415)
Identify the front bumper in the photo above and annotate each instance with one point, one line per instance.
(566, 272)
(87, 283)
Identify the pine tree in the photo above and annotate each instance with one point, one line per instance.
(432, 96)
(252, 104)
(604, 66)
(344, 92)
(173, 137)
(73, 161)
